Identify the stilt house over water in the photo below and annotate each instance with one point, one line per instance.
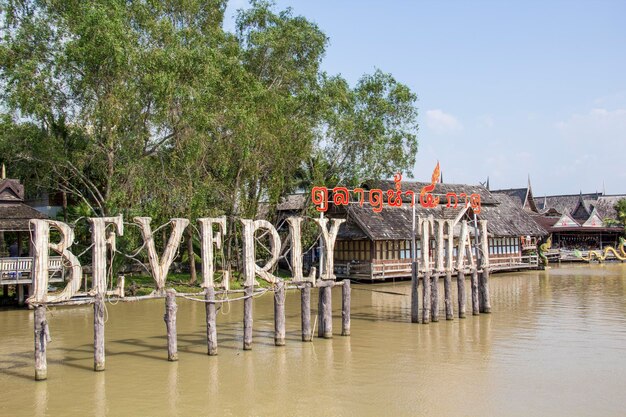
(15, 254)
(377, 246)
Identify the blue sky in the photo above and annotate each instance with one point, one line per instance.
(506, 89)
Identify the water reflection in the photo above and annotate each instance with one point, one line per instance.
(554, 345)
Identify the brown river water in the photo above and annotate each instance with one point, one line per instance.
(555, 345)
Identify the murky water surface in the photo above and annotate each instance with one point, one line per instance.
(555, 345)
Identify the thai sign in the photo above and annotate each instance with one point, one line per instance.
(376, 198)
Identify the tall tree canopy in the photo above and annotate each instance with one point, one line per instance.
(152, 107)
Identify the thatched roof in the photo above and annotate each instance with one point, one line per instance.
(605, 206)
(566, 203)
(522, 197)
(508, 219)
(504, 217)
(441, 189)
(11, 190)
(14, 214)
(14, 217)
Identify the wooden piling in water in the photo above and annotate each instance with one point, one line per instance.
(42, 337)
(414, 294)
(328, 313)
(426, 297)
(279, 314)
(460, 281)
(434, 299)
(98, 332)
(324, 310)
(305, 307)
(474, 281)
(211, 329)
(447, 295)
(170, 324)
(485, 302)
(345, 308)
(247, 317)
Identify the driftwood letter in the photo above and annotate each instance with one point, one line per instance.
(250, 268)
(208, 240)
(464, 245)
(41, 247)
(327, 270)
(296, 250)
(99, 253)
(158, 267)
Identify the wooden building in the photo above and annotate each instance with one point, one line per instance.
(15, 260)
(376, 246)
(580, 222)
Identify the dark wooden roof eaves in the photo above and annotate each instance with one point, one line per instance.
(15, 216)
(587, 229)
(546, 221)
(350, 230)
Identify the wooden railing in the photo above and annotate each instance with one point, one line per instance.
(402, 267)
(19, 269)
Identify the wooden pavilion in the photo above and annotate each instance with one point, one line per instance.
(15, 252)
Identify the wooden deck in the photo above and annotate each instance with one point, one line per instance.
(391, 269)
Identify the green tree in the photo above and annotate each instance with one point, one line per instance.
(368, 132)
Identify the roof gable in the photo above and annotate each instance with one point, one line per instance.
(566, 221)
(11, 190)
(594, 220)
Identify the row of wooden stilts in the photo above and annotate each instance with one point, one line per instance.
(325, 324)
(430, 312)
(430, 295)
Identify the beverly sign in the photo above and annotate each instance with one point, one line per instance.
(105, 229)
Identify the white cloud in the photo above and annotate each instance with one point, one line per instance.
(597, 127)
(442, 123)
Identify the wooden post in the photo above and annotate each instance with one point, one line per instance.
(211, 329)
(324, 310)
(247, 317)
(19, 288)
(328, 311)
(170, 323)
(345, 308)
(305, 307)
(42, 338)
(434, 299)
(414, 293)
(279, 314)
(425, 226)
(98, 332)
(426, 296)
(474, 280)
(447, 291)
(460, 282)
(485, 303)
